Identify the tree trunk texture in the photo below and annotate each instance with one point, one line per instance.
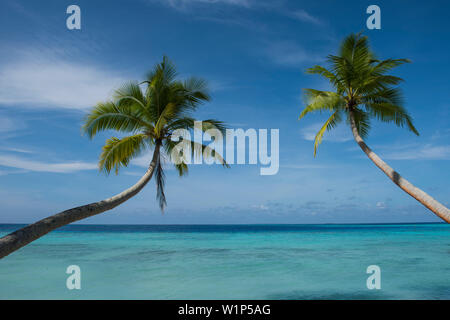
(437, 208)
(24, 236)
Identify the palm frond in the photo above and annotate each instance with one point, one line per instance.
(132, 91)
(213, 124)
(383, 95)
(160, 179)
(197, 90)
(182, 169)
(117, 153)
(334, 79)
(387, 65)
(208, 152)
(169, 112)
(197, 150)
(188, 123)
(130, 95)
(319, 101)
(331, 123)
(110, 116)
(387, 112)
(360, 80)
(162, 73)
(168, 99)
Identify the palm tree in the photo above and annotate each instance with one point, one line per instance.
(363, 90)
(150, 116)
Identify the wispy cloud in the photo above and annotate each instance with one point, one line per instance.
(441, 134)
(338, 134)
(381, 205)
(273, 6)
(304, 16)
(216, 9)
(8, 124)
(290, 53)
(417, 152)
(261, 207)
(143, 160)
(39, 80)
(183, 4)
(11, 127)
(38, 166)
(226, 12)
(19, 150)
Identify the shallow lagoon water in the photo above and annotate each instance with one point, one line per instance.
(232, 262)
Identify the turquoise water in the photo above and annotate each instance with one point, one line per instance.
(232, 262)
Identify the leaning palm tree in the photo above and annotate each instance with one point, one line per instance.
(363, 89)
(150, 116)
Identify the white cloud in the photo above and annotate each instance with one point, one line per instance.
(417, 152)
(381, 205)
(39, 80)
(19, 150)
(142, 161)
(272, 6)
(289, 53)
(260, 207)
(339, 134)
(304, 16)
(10, 128)
(31, 165)
(180, 4)
(441, 134)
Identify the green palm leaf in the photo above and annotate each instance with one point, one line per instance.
(359, 80)
(117, 153)
(319, 101)
(150, 116)
(111, 116)
(331, 123)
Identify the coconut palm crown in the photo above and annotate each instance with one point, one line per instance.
(150, 117)
(364, 90)
(362, 86)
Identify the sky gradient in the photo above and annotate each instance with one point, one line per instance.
(254, 55)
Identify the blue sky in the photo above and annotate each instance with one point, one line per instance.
(254, 54)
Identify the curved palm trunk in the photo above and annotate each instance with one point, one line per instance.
(440, 210)
(22, 237)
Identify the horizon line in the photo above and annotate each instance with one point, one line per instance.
(231, 224)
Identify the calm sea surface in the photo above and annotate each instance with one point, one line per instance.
(232, 262)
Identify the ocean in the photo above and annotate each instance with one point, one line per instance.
(232, 262)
